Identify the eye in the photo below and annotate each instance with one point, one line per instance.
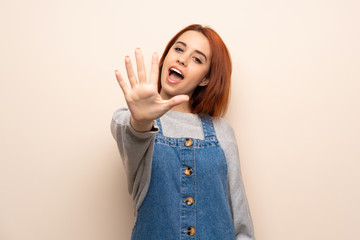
(197, 60)
(178, 49)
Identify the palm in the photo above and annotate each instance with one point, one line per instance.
(145, 102)
(143, 99)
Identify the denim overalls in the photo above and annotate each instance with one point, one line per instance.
(187, 197)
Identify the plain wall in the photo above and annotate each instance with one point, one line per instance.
(295, 110)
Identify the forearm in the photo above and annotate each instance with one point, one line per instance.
(141, 126)
(135, 149)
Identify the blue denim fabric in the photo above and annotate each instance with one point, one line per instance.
(164, 213)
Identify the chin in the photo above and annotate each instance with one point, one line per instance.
(168, 93)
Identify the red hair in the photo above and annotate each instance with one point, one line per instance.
(212, 99)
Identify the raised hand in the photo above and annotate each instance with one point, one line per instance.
(142, 97)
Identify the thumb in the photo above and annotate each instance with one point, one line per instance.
(176, 100)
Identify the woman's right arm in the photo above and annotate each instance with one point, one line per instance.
(136, 149)
(133, 128)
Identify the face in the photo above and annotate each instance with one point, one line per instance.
(186, 65)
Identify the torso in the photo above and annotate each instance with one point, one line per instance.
(187, 197)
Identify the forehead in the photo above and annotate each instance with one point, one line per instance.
(196, 41)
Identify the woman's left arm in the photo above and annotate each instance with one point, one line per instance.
(237, 197)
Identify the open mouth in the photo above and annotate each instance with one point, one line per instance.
(175, 74)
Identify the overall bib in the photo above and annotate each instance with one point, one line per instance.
(187, 196)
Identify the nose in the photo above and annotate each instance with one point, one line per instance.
(181, 61)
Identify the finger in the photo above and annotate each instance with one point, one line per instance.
(130, 72)
(140, 66)
(176, 101)
(122, 83)
(154, 72)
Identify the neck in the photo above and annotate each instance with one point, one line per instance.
(183, 107)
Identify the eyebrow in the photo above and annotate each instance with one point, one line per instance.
(199, 52)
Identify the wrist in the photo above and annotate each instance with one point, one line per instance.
(141, 126)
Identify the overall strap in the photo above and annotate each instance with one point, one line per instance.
(158, 123)
(208, 128)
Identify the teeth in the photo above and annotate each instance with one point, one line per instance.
(175, 70)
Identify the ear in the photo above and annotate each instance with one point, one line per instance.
(204, 82)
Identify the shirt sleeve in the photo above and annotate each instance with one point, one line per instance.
(237, 197)
(136, 150)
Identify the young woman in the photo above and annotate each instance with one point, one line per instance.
(180, 156)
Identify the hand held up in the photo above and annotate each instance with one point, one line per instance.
(142, 97)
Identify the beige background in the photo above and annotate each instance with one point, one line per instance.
(295, 109)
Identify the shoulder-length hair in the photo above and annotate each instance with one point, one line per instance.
(212, 99)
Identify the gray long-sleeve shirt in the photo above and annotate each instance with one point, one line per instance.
(136, 150)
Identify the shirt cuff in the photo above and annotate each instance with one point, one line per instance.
(147, 134)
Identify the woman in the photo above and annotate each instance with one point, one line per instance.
(180, 157)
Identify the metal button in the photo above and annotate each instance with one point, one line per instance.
(188, 171)
(191, 231)
(188, 142)
(189, 201)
